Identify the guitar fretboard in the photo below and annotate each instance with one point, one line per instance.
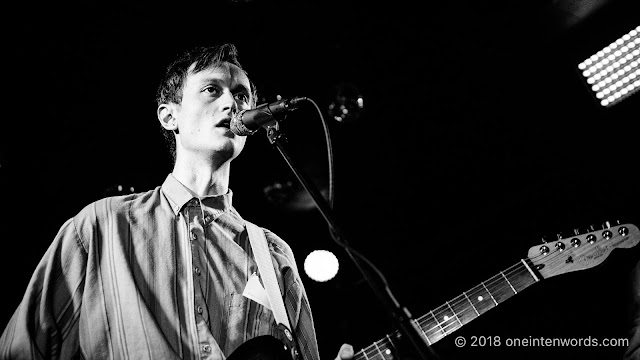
(457, 312)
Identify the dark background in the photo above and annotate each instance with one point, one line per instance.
(478, 137)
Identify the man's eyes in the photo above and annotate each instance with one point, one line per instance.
(241, 97)
(216, 91)
(212, 90)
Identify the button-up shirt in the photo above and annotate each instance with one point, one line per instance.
(154, 275)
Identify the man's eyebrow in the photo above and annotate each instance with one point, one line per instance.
(238, 86)
(241, 87)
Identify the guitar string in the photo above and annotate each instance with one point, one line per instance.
(554, 258)
(371, 351)
(455, 319)
(519, 268)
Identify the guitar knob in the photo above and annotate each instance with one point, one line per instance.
(544, 250)
(591, 238)
(623, 231)
(607, 234)
(560, 246)
(575, 242)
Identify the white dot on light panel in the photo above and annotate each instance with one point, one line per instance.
(480, 298)
(388, 352)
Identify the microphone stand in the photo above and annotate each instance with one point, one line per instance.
(400, 314)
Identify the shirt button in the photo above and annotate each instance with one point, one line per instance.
(199, 309)
(206, 348)
(198, 271)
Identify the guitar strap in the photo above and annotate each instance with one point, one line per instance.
(265, 265)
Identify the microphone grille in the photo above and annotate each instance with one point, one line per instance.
(237, 126)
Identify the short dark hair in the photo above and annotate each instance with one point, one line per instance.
(201, 57)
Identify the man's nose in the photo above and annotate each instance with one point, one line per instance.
(229, 102)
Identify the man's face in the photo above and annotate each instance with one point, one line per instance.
(209, 99)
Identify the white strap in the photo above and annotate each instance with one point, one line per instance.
(265, 265)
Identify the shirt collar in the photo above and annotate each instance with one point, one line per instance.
(179, 195)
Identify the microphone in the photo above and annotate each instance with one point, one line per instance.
(247, 122)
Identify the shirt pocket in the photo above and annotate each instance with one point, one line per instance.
(248, 319)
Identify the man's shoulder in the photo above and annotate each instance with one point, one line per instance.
(276, 241)
(114, 206)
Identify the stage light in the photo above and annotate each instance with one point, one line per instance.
(609, 72)
(348, 104)
(321, 265)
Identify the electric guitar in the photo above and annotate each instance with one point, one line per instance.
(562, 256)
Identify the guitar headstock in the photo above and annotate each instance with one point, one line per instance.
(582, 251)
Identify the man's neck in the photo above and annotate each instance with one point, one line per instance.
(202, 178)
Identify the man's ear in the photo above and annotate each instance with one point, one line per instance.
(165, 116)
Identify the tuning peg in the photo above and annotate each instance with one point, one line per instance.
(544, 239)
(544, 250)
(606, 225)
(576, 231)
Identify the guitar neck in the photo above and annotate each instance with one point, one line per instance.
(455, 313)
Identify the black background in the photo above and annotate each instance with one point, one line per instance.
(478, 137)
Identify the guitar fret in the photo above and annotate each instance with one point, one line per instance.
(463, 309)
(530, 271)
(521, 277)
(514, 290)
(469, 300)
(439, 325)
(391, 345)
(499, 288)
(459, 311)
(447, 320)
(489, 292)
(380, 351)
(431, 328)
(454, 313)
(424, 333)
(480, 299)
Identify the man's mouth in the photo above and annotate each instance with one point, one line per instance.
(226, 123)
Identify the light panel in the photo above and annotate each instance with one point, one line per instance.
(613, 73)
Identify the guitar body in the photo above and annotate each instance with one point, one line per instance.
(262, 348)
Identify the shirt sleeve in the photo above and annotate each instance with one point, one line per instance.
(45, 324)
(305, 330)
(296, 300)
